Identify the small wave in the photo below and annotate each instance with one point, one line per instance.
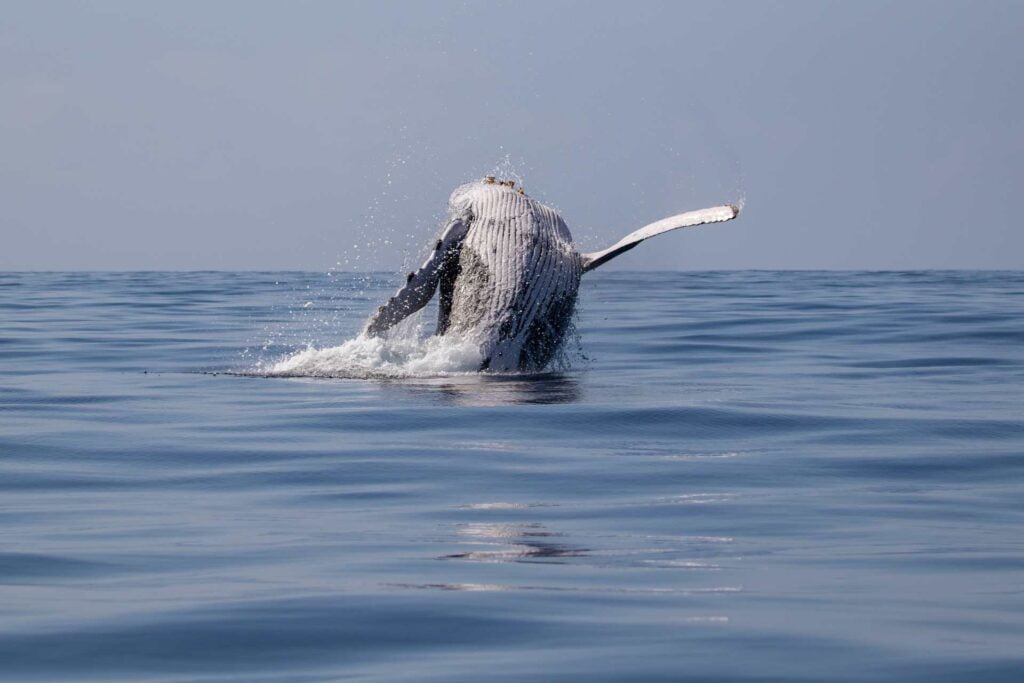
(371, 357)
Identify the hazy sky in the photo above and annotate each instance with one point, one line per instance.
(311, 135)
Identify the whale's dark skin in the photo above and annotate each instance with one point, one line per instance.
(508, 274)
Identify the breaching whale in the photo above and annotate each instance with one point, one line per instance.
(509, 273)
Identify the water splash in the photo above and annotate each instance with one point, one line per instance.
(400, 356)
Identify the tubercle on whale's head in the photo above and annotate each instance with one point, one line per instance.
(491, 180)
(462, 193)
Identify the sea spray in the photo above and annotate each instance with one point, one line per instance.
(374, 357)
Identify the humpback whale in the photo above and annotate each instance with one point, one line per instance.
(508, 274)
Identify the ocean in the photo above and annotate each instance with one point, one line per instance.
(729, 476)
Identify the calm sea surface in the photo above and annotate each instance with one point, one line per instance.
(741, 476)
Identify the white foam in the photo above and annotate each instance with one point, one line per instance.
(367, 357)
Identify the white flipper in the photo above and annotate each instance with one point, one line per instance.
(421, 284)
(715, 214)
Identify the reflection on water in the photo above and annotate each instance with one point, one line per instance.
(492, 390)
(471, 389)
(517, 543)
(533, 541)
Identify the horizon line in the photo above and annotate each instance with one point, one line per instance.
(617, 270)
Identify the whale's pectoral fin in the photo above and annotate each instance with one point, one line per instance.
(421, 284)
(715, 214)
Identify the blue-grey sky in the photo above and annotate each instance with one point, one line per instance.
(312, 135)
